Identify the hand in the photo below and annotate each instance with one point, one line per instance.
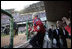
(35, 33)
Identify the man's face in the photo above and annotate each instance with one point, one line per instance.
(52, 26)
(33, 17)
(64, 19)
(59, 23)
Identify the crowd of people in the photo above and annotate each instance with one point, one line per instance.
(56, 36)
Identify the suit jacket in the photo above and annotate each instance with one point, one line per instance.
(55, 33)
(60, 32)
(50, 32)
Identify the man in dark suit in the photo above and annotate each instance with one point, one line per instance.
(64, 35)
(56, 36)
(50, 32)
(58, 33)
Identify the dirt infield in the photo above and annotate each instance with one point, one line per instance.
(20, 39)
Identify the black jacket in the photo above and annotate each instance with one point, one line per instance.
(55, 34)
(60, 33)
(50, 33)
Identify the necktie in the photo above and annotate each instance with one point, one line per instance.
(57, 31)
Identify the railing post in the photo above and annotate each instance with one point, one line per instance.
(27, 29)
(11, 32)
(11, 27)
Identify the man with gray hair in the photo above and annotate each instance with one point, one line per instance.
(37, 40)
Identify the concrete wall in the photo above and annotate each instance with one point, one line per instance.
(55, 10)
(49, 23)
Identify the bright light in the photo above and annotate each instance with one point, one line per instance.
(17, 5)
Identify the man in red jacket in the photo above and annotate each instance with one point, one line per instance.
(37, 40)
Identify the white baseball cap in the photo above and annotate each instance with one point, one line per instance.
(34, 15)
